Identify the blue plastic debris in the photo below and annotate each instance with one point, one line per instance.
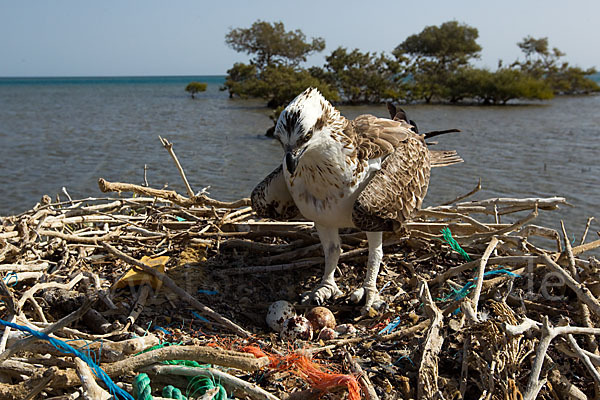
(390, 327)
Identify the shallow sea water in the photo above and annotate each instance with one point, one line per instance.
(71, 131)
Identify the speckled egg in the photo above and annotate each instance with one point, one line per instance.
(346, 329)
(297, 327)
(321, 317)
(279, 312)
(328, 334)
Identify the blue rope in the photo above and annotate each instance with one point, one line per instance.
(161, 329)
(12, 275)
(460, 294)
(200, 317)
(114, 390)
(208, 292)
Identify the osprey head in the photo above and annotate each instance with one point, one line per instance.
(303, 123)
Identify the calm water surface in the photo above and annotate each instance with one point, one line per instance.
(72, 131)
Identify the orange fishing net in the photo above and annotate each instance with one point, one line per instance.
(315, 374)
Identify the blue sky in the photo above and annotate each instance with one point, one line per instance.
(124, 38)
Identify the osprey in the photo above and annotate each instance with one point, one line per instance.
(369, 173)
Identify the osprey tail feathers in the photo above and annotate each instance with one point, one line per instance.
(443, 158)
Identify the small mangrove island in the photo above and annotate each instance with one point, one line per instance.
(433, 66)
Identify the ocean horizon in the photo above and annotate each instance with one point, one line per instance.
(27, 80)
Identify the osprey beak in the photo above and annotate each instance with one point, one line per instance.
(291, 162)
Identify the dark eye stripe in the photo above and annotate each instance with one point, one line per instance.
(304, 138)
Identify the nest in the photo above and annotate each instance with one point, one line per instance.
(501, 309)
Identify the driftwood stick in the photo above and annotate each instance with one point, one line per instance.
(230, 382)
(13, 309)
(37, 267)
(138, 307)
(6, 333)
(169, 147)
(535, 230)
(510, 205)
(91, 389)
(22, 344)
(455, 216)
(533, 215)
(169, 283)
(40, 286)
(569, 250)
(548, 333)
(363, 379)
(38, 309)
(582, 292)
(530, 325)
(464, 196)
(583, 248)
(170, 195)
(28, 276)
(202, 354)
(481, 270)
(233, 217)
(508, 260)
(505, 260)
(564, 388)
(584, 358)
(563, 347)
(467, 307)
(259, 247)
(428, 370)
(534, 385)
(525, 326)
(42, 383)
(406, 332)
(79, 239)
(60, 222)
(529, 202)
(591, 341)
(106, 351)
(583, 310)
(18, 367)
(421, 326)
(587, 228)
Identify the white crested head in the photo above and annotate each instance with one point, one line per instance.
(305, 119)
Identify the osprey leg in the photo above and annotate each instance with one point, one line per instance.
(330, 239)
(369, 287)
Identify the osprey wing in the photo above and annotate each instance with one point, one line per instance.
(272, 199)
(377, 137)
(399, 187)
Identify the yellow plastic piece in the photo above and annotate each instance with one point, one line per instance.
(135, 277)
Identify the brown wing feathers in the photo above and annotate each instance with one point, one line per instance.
(399, 187)
(376, 137)
(396, 190)
(272, 199)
